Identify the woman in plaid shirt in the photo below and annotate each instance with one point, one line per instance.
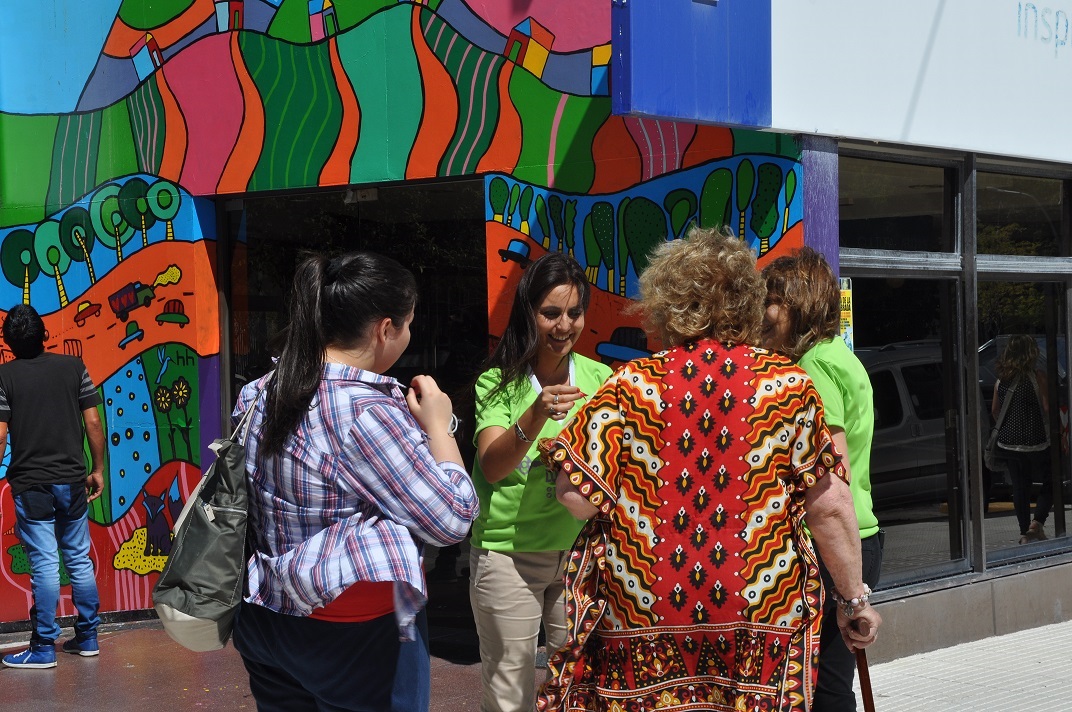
(348, 479)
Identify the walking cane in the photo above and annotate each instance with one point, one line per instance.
(865, 680)
(861, 667)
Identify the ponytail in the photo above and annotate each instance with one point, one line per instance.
(333, 302)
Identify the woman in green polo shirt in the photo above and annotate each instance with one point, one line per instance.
(532, 383)
(801, 321)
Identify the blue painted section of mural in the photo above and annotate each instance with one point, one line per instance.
(612, 234)
(33, 30)
(88, 239)
(708, 62)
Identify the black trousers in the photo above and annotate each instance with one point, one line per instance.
(307, 665)
(837, 664)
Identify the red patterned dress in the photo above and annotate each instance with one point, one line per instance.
(696, 586)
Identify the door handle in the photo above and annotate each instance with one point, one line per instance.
(917, 430)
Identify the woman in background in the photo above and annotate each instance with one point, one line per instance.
(347, 477)
(1023, 434)
(533, 382)
(801, 321)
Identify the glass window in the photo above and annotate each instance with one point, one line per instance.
(924, 385)
(1018, 215)
(905, 339)
(1028, 485)
(887, 400)
(892, 206)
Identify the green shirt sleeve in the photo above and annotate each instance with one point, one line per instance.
(831, 391)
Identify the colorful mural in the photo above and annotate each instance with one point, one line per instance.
(110, 161)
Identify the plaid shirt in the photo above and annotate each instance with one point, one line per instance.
(351, 497)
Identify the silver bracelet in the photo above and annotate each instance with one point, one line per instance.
(851, 606)
(521, 433)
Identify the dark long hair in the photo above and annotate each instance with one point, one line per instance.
(333, 302)
(517, 349)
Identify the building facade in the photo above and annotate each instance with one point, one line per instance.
(162, 165)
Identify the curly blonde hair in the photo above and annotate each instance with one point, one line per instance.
(804, 283)
(704, 285)
(1018, 359)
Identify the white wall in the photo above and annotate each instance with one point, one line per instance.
(963, 74)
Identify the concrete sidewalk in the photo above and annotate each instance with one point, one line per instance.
(1029, 670)
(140, 668)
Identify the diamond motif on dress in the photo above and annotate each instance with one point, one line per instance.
(701, 500)
(722, 479)
(718, 519)
(686, 443)
(707, 387)
(689, 370)
(707, 423)
(699, 537)
(687, 405)
(718, 555)
(727, 402)
(681, 520)
(697, 576)
(684, 482)
(728, 367)
(677, 559)
(704, 462)
(718, 594)
(723, 441)
(678, 598)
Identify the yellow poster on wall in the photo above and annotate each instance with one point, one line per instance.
(846, 310)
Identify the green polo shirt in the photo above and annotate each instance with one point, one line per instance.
(848, 403)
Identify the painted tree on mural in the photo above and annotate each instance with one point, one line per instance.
(790, 193)
(746, 181)
(569, 225)
(111, 227)
(498, 197)
(680, 205)
(18, 261)
(134, 205)
(77, 237)
(765, 206)
(164, 200)
(715, 198)
(598, 230)
(51, 256)
(525, 206)
(642, 226)
(542, 219)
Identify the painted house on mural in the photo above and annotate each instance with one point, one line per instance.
(164, 165)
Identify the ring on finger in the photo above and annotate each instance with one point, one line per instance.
(555, 401)
(551, 410)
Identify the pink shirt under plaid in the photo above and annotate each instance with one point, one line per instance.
(352, 496)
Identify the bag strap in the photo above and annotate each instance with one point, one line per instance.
(242, 431)
(1005, 404)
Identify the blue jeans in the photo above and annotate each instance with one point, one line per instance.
(53, 519)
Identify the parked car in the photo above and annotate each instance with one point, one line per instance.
(908, 452)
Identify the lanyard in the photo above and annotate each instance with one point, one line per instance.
(536, 382)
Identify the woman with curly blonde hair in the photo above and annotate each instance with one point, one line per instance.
(694, 584)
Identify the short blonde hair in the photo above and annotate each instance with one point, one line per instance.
(704, 285)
